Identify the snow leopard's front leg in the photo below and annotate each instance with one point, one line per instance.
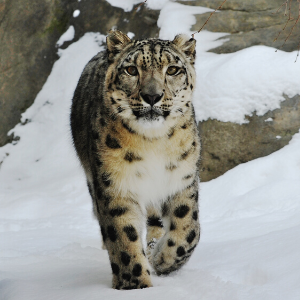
(155, 230)
(121, 226)
(180, 216)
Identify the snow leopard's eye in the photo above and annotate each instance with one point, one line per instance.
(172, 70)
(131, 70)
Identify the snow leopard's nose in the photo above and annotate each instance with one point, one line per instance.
(151, 99)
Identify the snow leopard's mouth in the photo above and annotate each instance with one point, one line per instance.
(151, 113)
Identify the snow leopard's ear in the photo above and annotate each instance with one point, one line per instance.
(116, 41)
(186, 44)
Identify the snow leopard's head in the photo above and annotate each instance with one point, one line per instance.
(150, 81)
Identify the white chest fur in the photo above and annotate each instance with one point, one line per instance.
(149, 181)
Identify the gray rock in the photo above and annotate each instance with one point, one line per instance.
(29, 30)
(238, 5)
(250, 23)
(100, 16)
(226, 145)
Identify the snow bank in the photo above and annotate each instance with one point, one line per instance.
(230, 86)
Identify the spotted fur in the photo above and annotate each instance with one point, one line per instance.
(135, 134)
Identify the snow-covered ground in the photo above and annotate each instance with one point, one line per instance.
(50, 246)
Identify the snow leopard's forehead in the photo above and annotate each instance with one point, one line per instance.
(151, 53)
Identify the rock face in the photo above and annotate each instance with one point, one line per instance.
(226, 145)
(252, 22)
(100, 16)
(29, 30)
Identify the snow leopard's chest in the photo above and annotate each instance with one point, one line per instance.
(150, 180)
(156, 173)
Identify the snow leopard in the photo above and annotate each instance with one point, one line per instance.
(134, 131)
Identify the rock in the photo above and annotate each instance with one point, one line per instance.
(100, 16)
(239, 5)
(250, 23)
(260, 36)
(226, 145)
(29, 30)
(237, 21)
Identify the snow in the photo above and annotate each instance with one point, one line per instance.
(67, 36)
(250, 217)
(76, 13)
(233, 85)
(177, 18)
(130, 35)
(269, 120)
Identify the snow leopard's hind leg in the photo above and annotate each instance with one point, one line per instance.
(182, 233)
